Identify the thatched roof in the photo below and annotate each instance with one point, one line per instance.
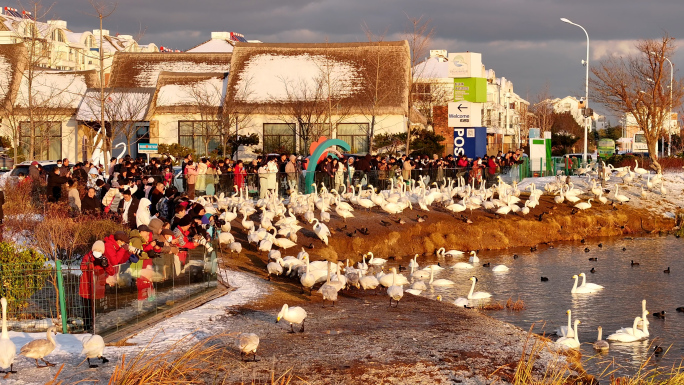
(135, 70)
(12, 63)
(183, 92)
(266, 78)
(129, 104)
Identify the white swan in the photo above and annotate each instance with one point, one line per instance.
(451, 253)
(643, 332)
(419, 285)
(584, 205)
(375, 261)
(581, 289)
(329, 291)
(395, 292)
(500, 269)
(473, 257)
(571, 342)
(623, 336)
(387, 280)
(439, 282)
(93, 347)
(462, 265)
(639, 170)
(462, 302)
(644, 312)
(478, 294)
(294, 315)
(369, 282)
(248, 344)
(600, 344)
(592, 286)
(7, 348)
(321, 231)
(566, 331)
(619, 197)
(38, 349)
(307, 279)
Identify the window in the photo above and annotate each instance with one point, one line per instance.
(310, 133)
(356, 135)
(195, 134)
(58, 35)
(279, 138)
(47, 141)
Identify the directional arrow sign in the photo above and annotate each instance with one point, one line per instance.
(465, 114)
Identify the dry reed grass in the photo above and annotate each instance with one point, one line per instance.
(518, 305)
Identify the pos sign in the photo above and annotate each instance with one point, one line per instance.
(470, 141)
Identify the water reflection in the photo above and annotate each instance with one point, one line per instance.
(612, 308)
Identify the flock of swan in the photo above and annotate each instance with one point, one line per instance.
(93, 347)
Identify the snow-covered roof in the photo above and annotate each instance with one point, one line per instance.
(135, 70)
(209, 92)
(120, 105)
(432, 68)
(213, 45)
(56, 89)
(268, 77)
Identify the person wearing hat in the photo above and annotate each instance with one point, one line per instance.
(149, 185)
(117, 249)
(128, 209)
(91, 286)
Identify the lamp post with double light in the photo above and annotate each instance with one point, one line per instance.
(586, 90)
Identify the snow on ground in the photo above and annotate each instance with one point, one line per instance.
(196, 323)
(664, 204)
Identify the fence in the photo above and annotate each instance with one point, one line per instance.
(40, 296)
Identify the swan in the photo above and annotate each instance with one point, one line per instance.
(623, 335)
(388, 280)
(644, 312)
(419, 274)
(275, 268)
(395, 292)
(369, 282)
(226, 238)
(451, 253)
(246, 224)
(560, 197)
(462, 302)
(643, 332)
(307, 279)
(294, 315)
(571, 342)
(663, 190)
(589, 285)
(248, 344)
(600, 344)
(584, 205)
(566, 331)
(619, 197)
(38, 349)
(343, 213)
(473, 257)
(462, 265)
(419, 285)
(413, 291)
(375, 261)
(7, 348)
(500, 269)
(321, 231)
(93, 347)
(581, 289)
(439, 282)
(414, 262)
(328, 291)
(478, 294)
(639, 170)
(433, 267)
(235, 247)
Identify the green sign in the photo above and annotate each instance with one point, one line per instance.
(470, 90)
(606, 148)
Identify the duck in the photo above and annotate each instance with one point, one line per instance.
(478, 294)
(473, 257)
(593, 259)
(667, 271)
(93, 347)
(488, 264)
(593, 270)
(439, 282)
(601, 345)
(634, 263)
(38, 349)
(395, 292)
(7, 348)
(659, 314)
(248, 344)
(293, 315)
(545, 279)
(571, 342)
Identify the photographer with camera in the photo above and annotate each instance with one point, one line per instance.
(95, 269)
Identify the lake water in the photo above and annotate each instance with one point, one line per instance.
(614, 307)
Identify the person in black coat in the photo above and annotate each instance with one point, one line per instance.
(90, 204)
(80, 174)
(54, 183)
(129, 217)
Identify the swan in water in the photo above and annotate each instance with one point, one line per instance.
(473, 257)
(294, 315)
(414, 262)
(566, 331)
(589, 285)
(500, 269)
(600, 344)
(450, 253)
(439, 282)
(38, 349)
(623, 335)
(93, 347)
(395, 292)
(7, 348)
(478, 294)
(419, 274)
(643, 332)
(461, 302)
(581, 289)
(644, 312)
(571, 342)
(462, 265)
(248, 344)
(419, 285)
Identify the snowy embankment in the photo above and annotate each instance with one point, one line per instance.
(193, 325)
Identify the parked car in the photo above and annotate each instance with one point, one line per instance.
(23, 167)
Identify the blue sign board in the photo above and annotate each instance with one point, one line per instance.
(470, 141)
(148, 148)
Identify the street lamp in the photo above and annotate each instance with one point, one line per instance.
(669, 117)
(586, 89)
(507, 95)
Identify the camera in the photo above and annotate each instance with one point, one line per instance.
(203, 241)
(102, 262)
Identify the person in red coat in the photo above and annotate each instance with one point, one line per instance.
(94, 271)
(117, 250)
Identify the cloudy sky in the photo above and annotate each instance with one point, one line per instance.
(522, 40)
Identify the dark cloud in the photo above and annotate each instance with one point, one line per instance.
(523, 40)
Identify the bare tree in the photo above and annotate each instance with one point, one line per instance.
(543, 109)
(232, 118)
(639, 85)
(418, 33)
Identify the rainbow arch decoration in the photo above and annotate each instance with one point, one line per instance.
(324, 146)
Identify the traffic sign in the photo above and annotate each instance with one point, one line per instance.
(465, 114)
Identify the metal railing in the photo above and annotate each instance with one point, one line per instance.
(53, 294)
